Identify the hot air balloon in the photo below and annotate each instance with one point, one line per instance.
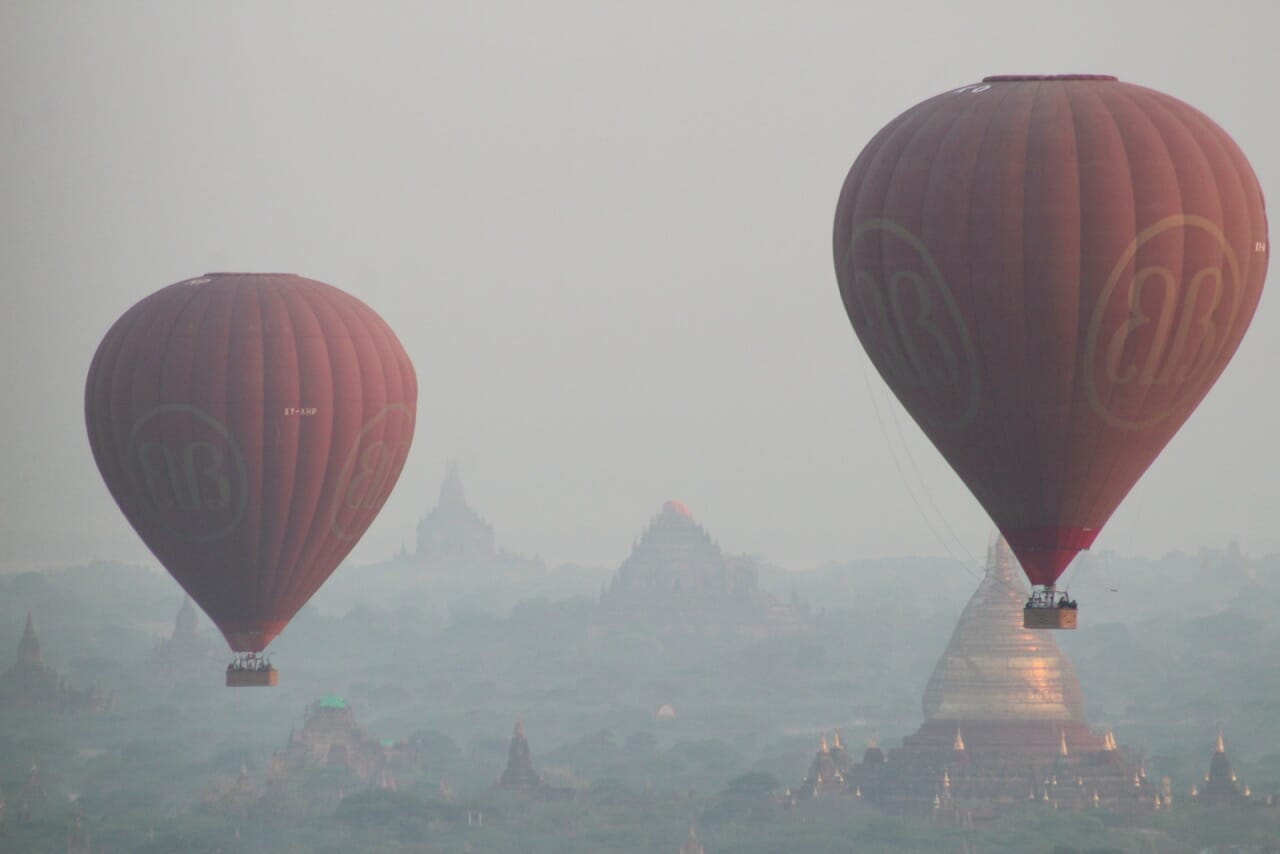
(250, 426)
(1050, 272)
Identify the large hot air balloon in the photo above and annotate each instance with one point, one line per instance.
(250, 426)
(1050, 272)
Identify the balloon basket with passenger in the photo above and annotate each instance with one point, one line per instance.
(251, 670)
(1049, 608)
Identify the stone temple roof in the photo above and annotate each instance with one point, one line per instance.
(675, 556)
(993, 669)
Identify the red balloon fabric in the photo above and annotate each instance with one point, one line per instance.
(250, 426)
(1050, 272)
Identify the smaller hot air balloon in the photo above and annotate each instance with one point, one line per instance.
(250, 427)
(1050, 272)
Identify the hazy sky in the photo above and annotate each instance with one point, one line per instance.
(602, 232)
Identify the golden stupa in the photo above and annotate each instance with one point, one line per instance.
(1004, 720)
(1008, 689)
(993, 668)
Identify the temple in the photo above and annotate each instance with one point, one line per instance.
(32, 684)
(188, 651)
(453, 536)
(1003, 723)
(1221, 788)
(519, 777)
(676, 577)
(519, 773)
(330, 737)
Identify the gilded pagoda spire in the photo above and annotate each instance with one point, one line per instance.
(993, 668)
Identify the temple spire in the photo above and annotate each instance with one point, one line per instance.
(958, 746)
(1062, 743)
(993, 668)
(519, 773)
(1222, 745)
(184, 625)
(451, 494)
(1002, 565)
(29, 646)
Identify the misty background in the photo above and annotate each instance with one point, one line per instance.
(602, 233)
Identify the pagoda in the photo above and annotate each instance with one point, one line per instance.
(330, 737)
(1006, 689)
(187, 651)
(32, 684)
(520, 778)
(1003, 723)
(519, 773)
(455, 537)
(829, 768)
(452, 531)
(1221, 788)
(676, 577)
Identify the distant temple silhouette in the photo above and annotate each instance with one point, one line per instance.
(453, 536)
(519, 773)
(1221, 788)
(331, 737)
(1003, 723)
(187, 652)
(677, 578)
(32, 684)
(519, 776)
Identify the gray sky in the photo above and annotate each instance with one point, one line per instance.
(601, 231)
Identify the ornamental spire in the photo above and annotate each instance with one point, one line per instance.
(29, 646)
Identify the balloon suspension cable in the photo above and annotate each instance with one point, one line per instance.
(942, 530)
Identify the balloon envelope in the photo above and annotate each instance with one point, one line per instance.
(1050, 273)
(250, 427)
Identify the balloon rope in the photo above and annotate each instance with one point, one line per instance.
(966, 560)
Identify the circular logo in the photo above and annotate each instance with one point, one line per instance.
(370, 469)
(188, 471)
(1156, 332)
(909, 324)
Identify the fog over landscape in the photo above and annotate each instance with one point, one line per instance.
(601, 233)
(668, 567)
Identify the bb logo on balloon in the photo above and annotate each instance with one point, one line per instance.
(189, 467)
(1156, 334)
(909, 323)
(371, 467)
